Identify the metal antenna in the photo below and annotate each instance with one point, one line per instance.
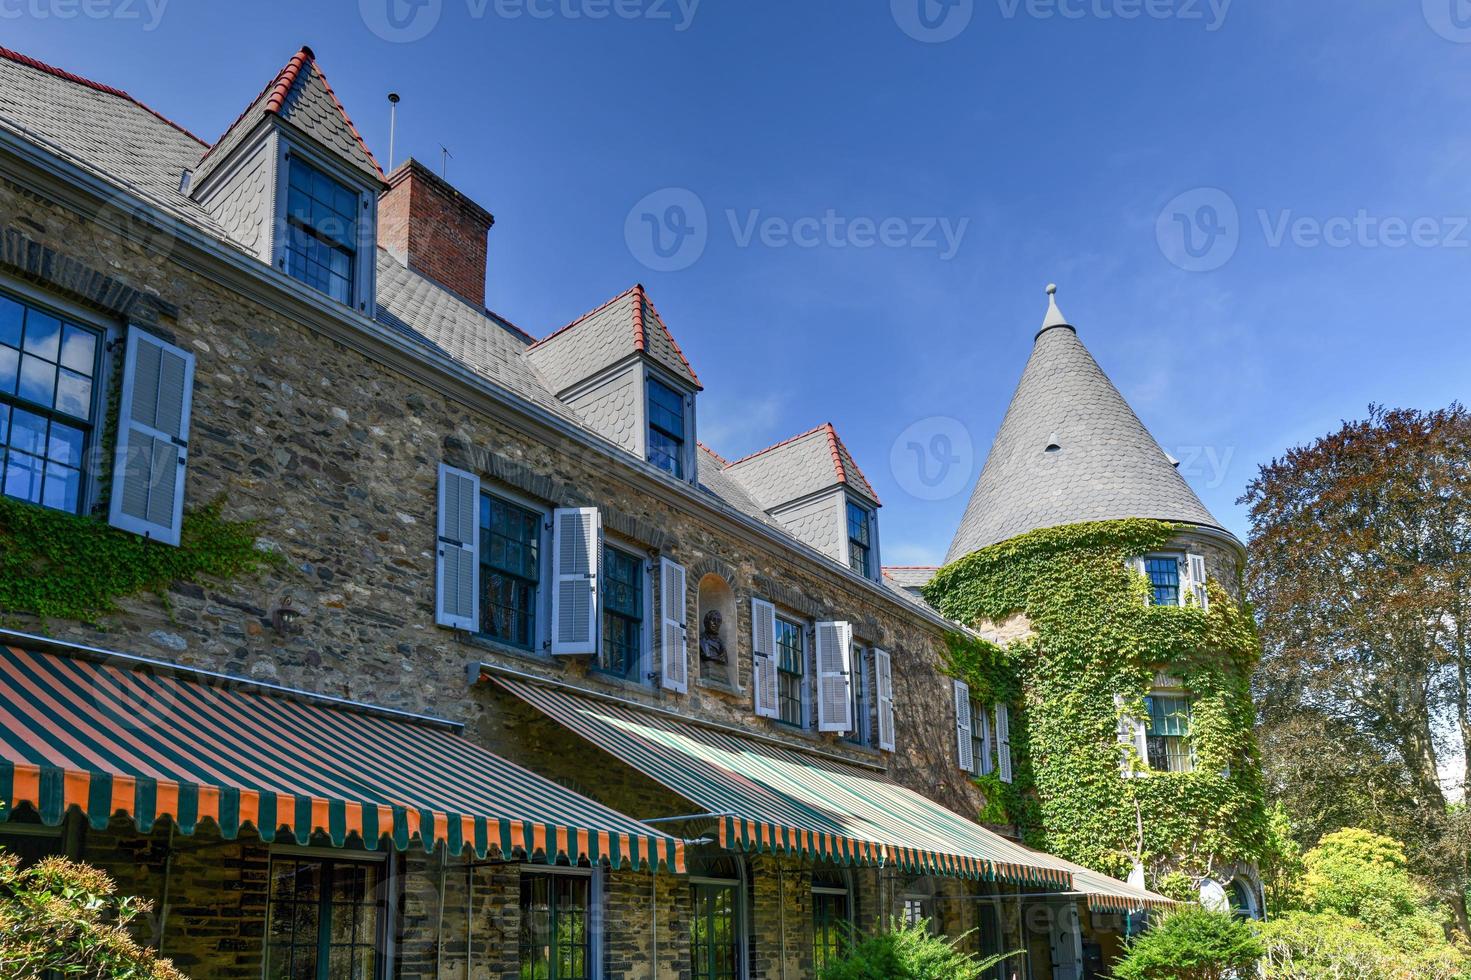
(444, 155)
(392, 126)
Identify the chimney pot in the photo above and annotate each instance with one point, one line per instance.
(435, 230)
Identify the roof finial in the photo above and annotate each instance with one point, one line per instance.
(1054, 315)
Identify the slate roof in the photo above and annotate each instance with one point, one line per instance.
(301, 96)
(798, 467)
(909, 576)
(1107, 465)
(626, 324)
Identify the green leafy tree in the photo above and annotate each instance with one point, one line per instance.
(910, 952)
(1328, 946)
(1360, 574)
(1192, 944)
(63, 918)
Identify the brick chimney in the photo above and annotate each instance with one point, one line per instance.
(435, 230)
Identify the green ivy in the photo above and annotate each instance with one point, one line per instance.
(1095, 647)
(66, 566)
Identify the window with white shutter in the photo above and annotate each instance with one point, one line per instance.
(964, 748)
(152, 438)
(577, 551)
(1003, 742)
(763, 657)
(457, 550)
(1195, 570)
(883, 676)
(834, 699)
(1132, 734)
(673, 644)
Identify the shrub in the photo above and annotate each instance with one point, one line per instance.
(64, 917)
(1313, 945)
(909, 952)
(1191, 944)
(1361, 875)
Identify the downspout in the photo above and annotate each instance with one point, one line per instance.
(163, 902)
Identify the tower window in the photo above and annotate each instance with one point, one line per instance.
(1164, 580)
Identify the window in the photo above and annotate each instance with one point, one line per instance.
(510, 571)
(831, 918)
(980, 738)
(714, 933)
(860, 547)
(1164, 580)
(324, 919)
(623, 612)
(858, 694)
(1169, 733)
(916, 909)
(48, 368)
(556, 943)
(321, 230)
(791, 671)
(666, 428)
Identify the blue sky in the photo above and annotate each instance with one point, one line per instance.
(1316, 153)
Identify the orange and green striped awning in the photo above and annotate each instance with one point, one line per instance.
(771, 798)
(110, 735)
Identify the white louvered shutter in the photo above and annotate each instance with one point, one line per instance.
(1195, 569)
(673, 642)
(152, 438)
(763, 657)
(1003, 742)
(1131, 735)
(883, 682)
(1139, 569)
(457, 550)
(988, 745)
(577, 551)
(834, 656)
(965, 749)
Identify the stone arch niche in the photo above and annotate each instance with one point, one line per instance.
(718, 661)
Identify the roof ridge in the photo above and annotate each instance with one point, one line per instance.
(290, 66)
(639, 298)
(718, 458)
(38, 65)
(910, 567)
(508, 323)
(586, 316)
(670, 334)
(785, 442)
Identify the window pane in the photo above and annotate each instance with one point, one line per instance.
(510, 559)
(791, 668)
(9, 369)
(666, 409)
(64, 444)
(27, 432)
(37, 380)
(666, 452)
(12, 318)
(74, 394)
(63, 487)
(79, 350)
(1164, 578)
(43, 334)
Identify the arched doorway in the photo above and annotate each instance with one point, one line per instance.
(718, 918)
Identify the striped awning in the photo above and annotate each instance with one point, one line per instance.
(771, 798)
(1107, 894)
(109, 735)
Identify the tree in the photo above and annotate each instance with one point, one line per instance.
(1192, 944)
(1361, 576)
(59, 917)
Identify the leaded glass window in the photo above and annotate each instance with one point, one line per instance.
(510, 571)
(623, 612)
(791, 671)
(321, 230)
(48, 372)
(324, 920)
(555, 941)
(830, 920)
(715, 932)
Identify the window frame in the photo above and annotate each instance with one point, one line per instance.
(982, 738)
(685, 457)
(860, 695)
(640, 666)
(1174, 747)
(740, 887)
(595, 910)
(870, 526)
(804, 680)
(100, 428)
(542, 605)
(365, 275)
(1178, 560)
(845, 935)
(387, 884)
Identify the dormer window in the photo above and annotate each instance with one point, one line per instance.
(666, 438)
(322, 230)
(860, 539)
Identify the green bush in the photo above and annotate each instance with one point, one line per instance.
(1329, 946)
(909, 952)
(1361, 875)
(63, 917)
(1191, 944)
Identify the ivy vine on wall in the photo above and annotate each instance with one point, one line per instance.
(66, 566)
(1094, 649)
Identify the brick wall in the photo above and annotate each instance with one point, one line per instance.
(435, 230)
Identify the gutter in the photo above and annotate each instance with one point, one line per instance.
(296, 301)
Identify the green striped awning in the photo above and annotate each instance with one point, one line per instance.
(108, 735)
(1106, 894)
(771, 798)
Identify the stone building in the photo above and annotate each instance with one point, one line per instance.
(529, 681)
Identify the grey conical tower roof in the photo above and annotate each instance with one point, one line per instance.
(1070, 450)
